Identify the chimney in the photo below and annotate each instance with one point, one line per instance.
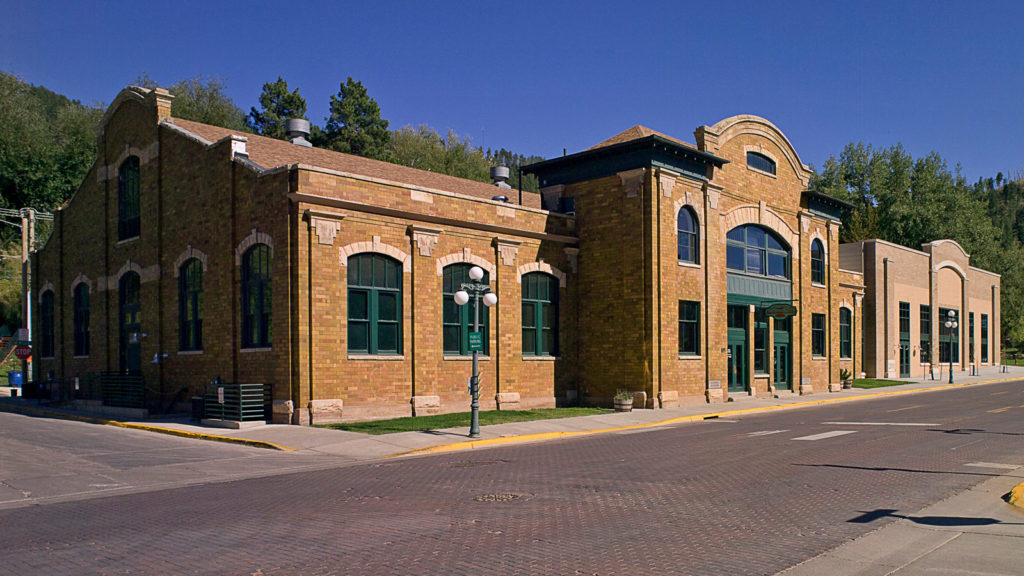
(296, 130)
(499, 174)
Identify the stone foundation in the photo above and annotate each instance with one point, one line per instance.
(327, 411)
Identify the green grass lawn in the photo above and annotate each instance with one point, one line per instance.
(875, 383)
(419, 423)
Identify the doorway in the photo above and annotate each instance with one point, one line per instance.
(738, 348)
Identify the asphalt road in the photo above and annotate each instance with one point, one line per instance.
(751, 495)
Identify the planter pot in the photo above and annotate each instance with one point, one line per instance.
(847, 385)
(623, 405)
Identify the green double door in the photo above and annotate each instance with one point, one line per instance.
(783, 356)
(738, 348)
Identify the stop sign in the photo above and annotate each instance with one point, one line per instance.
(22, 351)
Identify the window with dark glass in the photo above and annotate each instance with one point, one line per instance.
(984, 337)
(904, 320)
(128, 198)
(845, 333)
(760, 162)
(689, 328)
(760, 341)
(190, 305)
(949, 341)
(686, 227)
(81, 304)
(753, 250)
(374, 304)
(926, 334)
(970, 337)
(817, 334)
(540, 314)
(457, 321)
(46, 324)
(256, 325)
(817, 262)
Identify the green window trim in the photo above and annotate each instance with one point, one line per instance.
(128, 199)
(753, 250)
(984, 338)
(257, 330)
(81, 321)
(689, 328)
(190, 305)
(457, 321)
(688, 242)
(818, 335)
(46, 322)
(926, 334)
(904, 320)
(817, 262)
(945, 337)
(540, 314)
(970, 337)
(845, 333)
(374, 305)
(760, 341)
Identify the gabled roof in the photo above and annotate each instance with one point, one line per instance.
(272, 153)
(635, 133)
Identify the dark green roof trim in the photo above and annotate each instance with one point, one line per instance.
(825, 205)
(648, 152)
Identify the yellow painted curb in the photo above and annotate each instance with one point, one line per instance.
(1017, 496)
(146, 427)
(470, 444)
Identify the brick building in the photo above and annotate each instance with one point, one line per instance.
(192, 252)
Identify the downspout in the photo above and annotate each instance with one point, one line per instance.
(643, 286)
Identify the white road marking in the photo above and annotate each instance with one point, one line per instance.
(824, 435)
(992, 465)
(766, 432)
(907, 408)
(880, 423)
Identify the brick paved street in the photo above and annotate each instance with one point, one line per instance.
(717, 497)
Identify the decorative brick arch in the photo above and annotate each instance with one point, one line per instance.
(467, 257)
(127, 267)
(255, 237)
(188, 254)
(374, 246)
(47, 287)
(816, 235)
(540, 266)
(766, 217)
(78, 280)
(694, 210)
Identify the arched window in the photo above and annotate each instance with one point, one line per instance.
(81, 304)
(128, 198)
(190, 305)
(753, 250)
(817, 262)
(845, 333)
(46, 325)
(256, 325)
(130, 322)
(374, 304)
(457, 321)
(686, 228)
(760, 162)
(540, 314)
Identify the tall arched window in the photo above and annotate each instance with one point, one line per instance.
(686, 228)
(817, 262)
(457, 321)
(256, 325)
(190, 305)
(540, 314)
(81, 304)
(753, 250)
(374, 304)
(46, 325)
(128, 198)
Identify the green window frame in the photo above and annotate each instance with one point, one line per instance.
(817, 262)
(984, 338)
(81, 320)
(760, 162)
(945, 336)
(904, 320)
(46, 322)
(540, 314)
(457, 321)
(128, 199)
(751, 249)
(926, 334)
(687, 247)
(256, 298)
(689, 328)
(374, 305)
(818, 335)
(970, 336)
(845, 333)
(760, 341)
(190, 305)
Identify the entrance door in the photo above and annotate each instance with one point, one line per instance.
(130, 324)
(782, 380)
(738, 348)
(904, 359)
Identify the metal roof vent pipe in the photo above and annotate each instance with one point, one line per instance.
(500, 198)
(500, 174)
(297, 130)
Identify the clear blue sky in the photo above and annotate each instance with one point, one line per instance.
(539, 77)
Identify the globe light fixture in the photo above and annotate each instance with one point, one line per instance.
(479, 291)
(951, 325)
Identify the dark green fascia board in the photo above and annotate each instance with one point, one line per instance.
(825, 205)
(648, 152)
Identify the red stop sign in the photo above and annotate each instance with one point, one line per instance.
(23, 352)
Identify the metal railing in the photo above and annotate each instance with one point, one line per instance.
(241, 402)
(126, 390)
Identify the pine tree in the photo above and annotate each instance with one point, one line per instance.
(355, 126)
(278, 105)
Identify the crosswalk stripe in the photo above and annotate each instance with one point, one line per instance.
(824, 435)
(766, 432)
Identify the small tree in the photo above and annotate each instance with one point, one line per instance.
(206, 102)
(278, 105)
(354, 125)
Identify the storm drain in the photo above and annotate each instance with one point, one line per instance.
(507, 497)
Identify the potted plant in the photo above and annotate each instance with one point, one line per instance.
(623, 401)
(846, 378)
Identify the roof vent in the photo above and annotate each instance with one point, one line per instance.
(296, 130)
(500, 198)
(499, 174)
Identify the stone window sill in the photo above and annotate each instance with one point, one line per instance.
(251, 350)
(690, 357)
(540, 358)
(191, 352)
(376, 357)
(819, 358)
(818, 285)
(460, 358)
(127, 240)
(762, 172)
(80, 357)
(686, 264)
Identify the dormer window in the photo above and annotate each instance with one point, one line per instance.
(760, 162)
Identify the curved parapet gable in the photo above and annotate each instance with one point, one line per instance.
(710, 139)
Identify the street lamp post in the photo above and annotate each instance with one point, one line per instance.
(951, 325)
(479, 291)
